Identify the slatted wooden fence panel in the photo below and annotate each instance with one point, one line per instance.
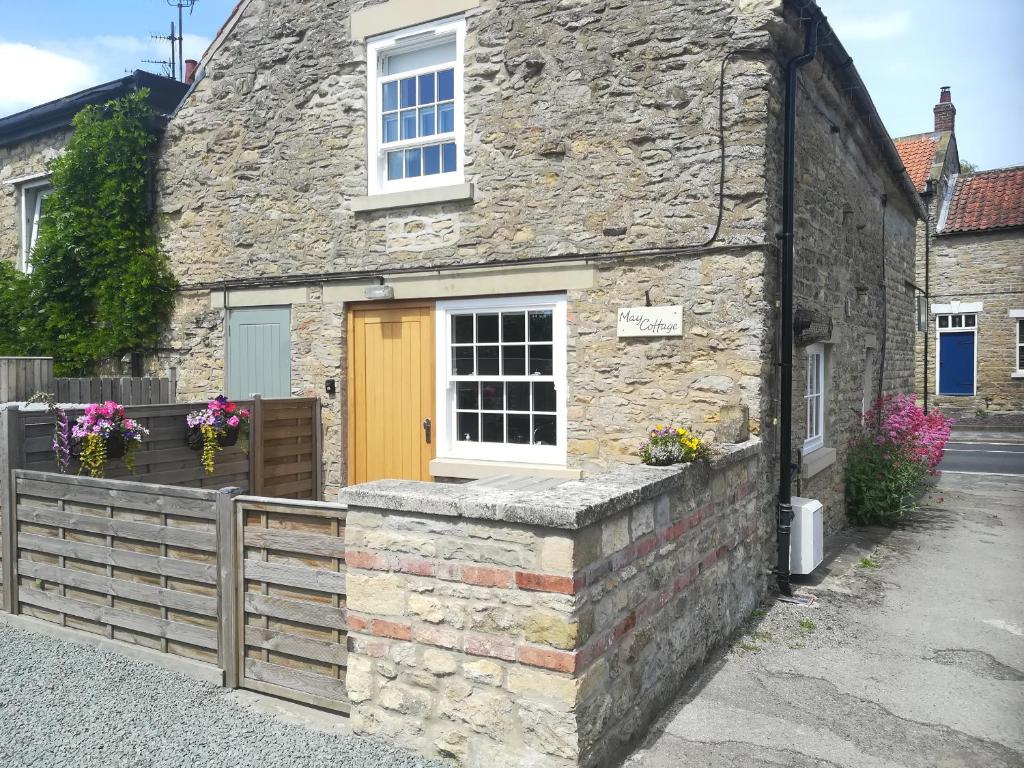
(291, 606)
(22, 377)
(134, 562)
(286, 458)
(125, 390)
(163, 458)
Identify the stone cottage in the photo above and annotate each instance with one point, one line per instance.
(503, 238)
(970, 269)
(31, 138)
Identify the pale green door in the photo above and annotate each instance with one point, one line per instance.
(259, 352)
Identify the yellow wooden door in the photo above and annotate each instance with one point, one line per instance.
(390, 392)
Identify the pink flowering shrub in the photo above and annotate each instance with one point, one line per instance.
(889, 463)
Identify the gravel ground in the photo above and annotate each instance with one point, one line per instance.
(63, 704)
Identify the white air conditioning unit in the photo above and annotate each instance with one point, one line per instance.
(806, 543)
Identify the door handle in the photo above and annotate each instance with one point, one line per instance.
(426, 430)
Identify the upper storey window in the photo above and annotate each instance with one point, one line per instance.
(415, 107)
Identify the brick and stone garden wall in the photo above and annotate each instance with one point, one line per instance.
(547, 628)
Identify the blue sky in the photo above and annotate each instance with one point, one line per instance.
(904, 50)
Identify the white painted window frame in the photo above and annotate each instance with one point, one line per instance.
(376, 158)
(962, 329)
(1017, 315)
(448, 446)
(30, 195)
(814, 441)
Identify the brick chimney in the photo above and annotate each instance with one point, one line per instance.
(191, 65)
(945, 112)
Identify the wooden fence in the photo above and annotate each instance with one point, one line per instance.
(22, 377)
(130, 561)
(254, 586)
(125, 390)
(291, 605)
(286, 448)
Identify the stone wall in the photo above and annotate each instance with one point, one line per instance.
(986, 267)
(546, 628)
(844, 230)
(590, 129)
(16, 161)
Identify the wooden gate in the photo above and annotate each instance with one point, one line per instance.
(291, 607)
(285, 460)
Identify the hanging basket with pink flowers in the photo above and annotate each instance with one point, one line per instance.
(219, 425)
(102, 433)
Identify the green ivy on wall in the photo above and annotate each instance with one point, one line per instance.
(99, 287)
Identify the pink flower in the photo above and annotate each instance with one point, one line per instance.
(233, 421)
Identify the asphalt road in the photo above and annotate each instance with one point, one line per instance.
(1003, 458)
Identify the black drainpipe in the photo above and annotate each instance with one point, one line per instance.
(927, 286)
(785, 512)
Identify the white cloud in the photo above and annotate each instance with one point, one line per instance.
(879, 27)
(45, 75)
(42, 76)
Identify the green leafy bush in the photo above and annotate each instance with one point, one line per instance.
(883, 482)
(14, 310)
(99, 286)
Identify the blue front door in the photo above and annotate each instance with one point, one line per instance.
(956, 363)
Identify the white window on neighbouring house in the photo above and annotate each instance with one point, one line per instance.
(415, 107)
(502, 379)
(32, 201)
(1019, 348)
(814, 398)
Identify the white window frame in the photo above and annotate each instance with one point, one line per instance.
(376, 159)
(816, 440)
(1017, 315)
(448, 446)
(30, 195)
(965, 309)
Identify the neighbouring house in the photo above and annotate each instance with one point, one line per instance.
(31, 138)
(970, 271)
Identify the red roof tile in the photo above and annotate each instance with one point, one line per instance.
(918, 154)
(986, 200)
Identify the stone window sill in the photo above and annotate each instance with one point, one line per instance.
(470, 469)
(413, 197)
(1017, 375)
(817, 461)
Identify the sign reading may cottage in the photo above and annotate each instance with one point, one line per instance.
(650, 321)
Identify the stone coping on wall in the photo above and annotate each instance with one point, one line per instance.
(571, 505)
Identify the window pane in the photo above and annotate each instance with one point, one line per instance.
(513, 327)
(389, 96)
(944, 321)
(390, 128)
(463, 361)
(427, 121)
(492, 396)
(513, 360)
(427, 88)
(487, 329)
(468, 427)
(1020, 356)
(540, 326)
(418, 58)
(412, 162)
(466, 395)
(462, 329)
(544, 432)
(487, 361)
(544, 396)
(969, 321)
(409, 124)
(446, 85)
(448, 157)
(540, 359)
(518, 396)
(492, 427)
(407, 92)
(518, 428)
(431, 160)
(446, 118)
(395, 165)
